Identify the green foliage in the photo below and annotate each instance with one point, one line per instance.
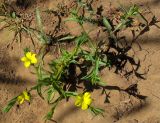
(96, 111)
(10, 104)
(43, 38)
(126, 20)
(26, 50)
(54, 84)
(93, 76)
(107, 25)
(14, 23)
(133, 11)
(75, 17)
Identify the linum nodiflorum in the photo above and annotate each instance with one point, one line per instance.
(88, 56)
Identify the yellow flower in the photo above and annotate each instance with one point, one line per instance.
(83, 100)
(29, 59)
(24, 96)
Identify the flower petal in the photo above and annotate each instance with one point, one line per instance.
(83, 100)
(84, 106)
(86, 95)
(88, 101)
(34, 59)
(23, 59)
(20, 99)
(27, 64)
(26, 95)
(29, 55)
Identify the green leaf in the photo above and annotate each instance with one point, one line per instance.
(83, 38)
(39, 90)
(101, 83)
(134, 10)
(93, 76)
(51, 112)
(41, 35)
(107, 25)
(13, 15)
(69, 93)
(75, 17)
(120, 25)
(10, 105)
(96, 111)
(69, 37)
(50, 94)
(38, 19)
(58, 88)
(40, 84)
(26, 50)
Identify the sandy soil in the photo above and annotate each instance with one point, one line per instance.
(121, 109)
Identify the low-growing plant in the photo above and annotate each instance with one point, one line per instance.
(62, 81)
(13, 22)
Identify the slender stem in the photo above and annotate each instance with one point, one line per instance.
(90, 40)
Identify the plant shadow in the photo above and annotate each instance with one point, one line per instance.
(8, 69)
(127, 109)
